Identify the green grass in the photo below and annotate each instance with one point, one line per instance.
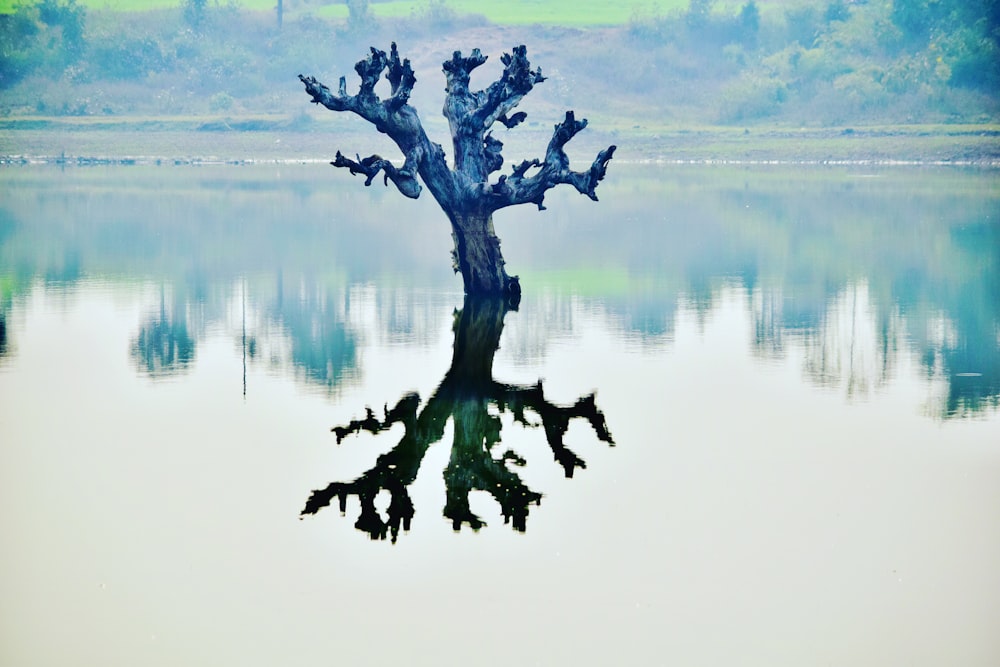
(511, 12)
(527, 12)
(578, 13)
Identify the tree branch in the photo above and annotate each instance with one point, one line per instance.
(503, 95)
(366, 103)
(393, 117)
(405, 179)
(511, 122)
(519, 188)
(401, 79)
(472, 114)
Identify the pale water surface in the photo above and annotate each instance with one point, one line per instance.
(799, 370)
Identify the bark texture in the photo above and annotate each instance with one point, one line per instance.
(465, 190)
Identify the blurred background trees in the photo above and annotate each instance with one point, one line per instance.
(804, 62)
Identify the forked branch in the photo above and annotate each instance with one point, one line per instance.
(519, 188)
(405, 179)
(366, 103)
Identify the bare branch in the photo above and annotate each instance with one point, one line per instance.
(370, 70)
(478, 111)
(458, 70)
(516, 81)
(521, 189)
(401, 78)
(513, 121)
(366, 103)
(405, 179)
(321, 94)
(491, 150)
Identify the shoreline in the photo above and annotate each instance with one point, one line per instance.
(125, 161)
(284, 140)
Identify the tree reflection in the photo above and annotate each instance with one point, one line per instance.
(321, 345)
(469, 397)
(3, 335)
(164, 346)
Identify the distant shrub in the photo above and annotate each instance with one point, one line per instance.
(360, 19)
(972, 57)
(750, 97)
(647, 25)
(803, 24)
(69, 19)
(46, 35)
(821, 60)
(837, 10)
(194, 13)
(123, 57)
(220, 102)
(861, 90)
(748, 21)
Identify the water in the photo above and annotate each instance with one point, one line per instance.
(798, 371)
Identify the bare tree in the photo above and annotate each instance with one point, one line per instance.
(464, 191)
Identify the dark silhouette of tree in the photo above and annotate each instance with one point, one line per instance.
(464, 191)
(466, 396)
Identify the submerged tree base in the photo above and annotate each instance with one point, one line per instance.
(478, 258)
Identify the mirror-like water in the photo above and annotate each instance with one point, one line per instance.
(741, 416)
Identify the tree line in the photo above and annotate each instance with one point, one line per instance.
(822, 61)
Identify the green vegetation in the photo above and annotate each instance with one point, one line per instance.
(514, 12)
(640, 69)
(522, 12)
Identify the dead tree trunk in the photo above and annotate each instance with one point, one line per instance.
(478, 258)
(464, 190)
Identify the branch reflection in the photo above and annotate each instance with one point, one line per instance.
(3, 334)
(469, 397)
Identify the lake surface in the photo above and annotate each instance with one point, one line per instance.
(791, 455)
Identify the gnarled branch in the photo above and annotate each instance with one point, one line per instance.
(519, 188)
(516, 81)
(366, 103)
(512, 121)
(405, 179)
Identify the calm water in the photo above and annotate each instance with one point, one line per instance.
(766, 431)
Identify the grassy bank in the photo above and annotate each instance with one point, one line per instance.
(512, 12)
(276, 138)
